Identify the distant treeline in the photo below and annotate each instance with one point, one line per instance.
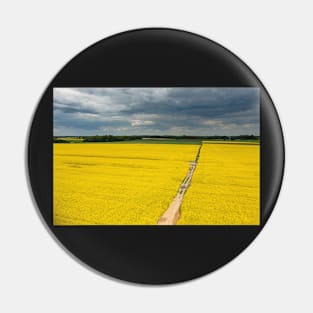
(112, 138)
(109, 138)
(215, 137)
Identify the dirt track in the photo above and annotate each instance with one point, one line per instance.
(172, 214)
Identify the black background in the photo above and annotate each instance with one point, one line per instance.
(155, 58)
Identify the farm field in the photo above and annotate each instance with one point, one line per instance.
(225, 188)
(116, 184)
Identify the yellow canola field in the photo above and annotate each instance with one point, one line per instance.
(117, 184)
(225, 188)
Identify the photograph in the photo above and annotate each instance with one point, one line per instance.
(156, 156)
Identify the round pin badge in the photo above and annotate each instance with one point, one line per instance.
(155, 156)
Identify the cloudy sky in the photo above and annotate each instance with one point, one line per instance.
(155, 111)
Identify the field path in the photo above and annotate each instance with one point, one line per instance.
(172, 214)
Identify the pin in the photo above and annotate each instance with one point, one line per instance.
(155, 156)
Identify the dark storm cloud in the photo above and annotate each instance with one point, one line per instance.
(211, 102)
(194, 111)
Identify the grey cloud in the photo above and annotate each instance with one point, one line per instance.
(195, 111)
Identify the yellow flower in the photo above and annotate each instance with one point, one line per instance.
(133, 184)
(225, 188)
(119, 184)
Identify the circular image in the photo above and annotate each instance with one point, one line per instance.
(155, 156)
